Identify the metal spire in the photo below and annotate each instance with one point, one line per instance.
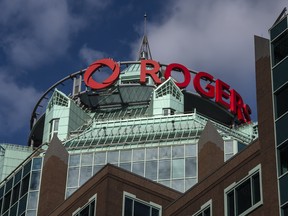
(144, 51)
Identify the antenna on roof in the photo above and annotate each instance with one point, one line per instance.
(144, 51)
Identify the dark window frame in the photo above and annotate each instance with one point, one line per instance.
(256, 195)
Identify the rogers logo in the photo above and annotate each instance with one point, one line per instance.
(88, 79)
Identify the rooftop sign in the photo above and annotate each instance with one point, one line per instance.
(209, 88)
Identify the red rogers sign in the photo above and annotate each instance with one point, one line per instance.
(212, 89)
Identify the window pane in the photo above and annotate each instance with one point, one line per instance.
(86, 159)
(178, 185)
(74, 160)
(128, 207)
(7, 199)
(16, 191)
(138, 168)
(285, 210)
(282, 101)
(37, 162)
(141, 209)
(32, 200)
(125, 155)
(152, 154)
(85, 211)
(230, 204)
(164, 169)
(178, 168)
(35, 180)
(151, 170)
(22, 205)
(165, 152)
(256, 188)
(190, 182)
(73, 175)
(190, 167)
(100, 158)
(126, 166)
(228, 146)
(138, 154)
(96, 168)
(112, 157)
(177, 151)
(283, 183)
(207, 212)
(27, 168)
(283, 152)
(190, 150)
(85, 174)
(243, 197)
(155, 212)
(25, 185)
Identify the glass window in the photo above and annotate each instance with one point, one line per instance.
(280, 48)
(177, 151)
(164, 169)
(138, 168)
(283, 187)
(178, 185)
(7, 199)
(151, 170)
(85, 174)
(27, 168)
(36, 164)
(8, 185)
(228, 146)
(126, 166)
(125, 155)
(152, 154)
(283, 157)
(32, 200)
(54, 126)
(87, 210)
(22, 205)
(100, 158)
(138, 154)
(178, 168)
(96, 168)
(136, 207)
(87, 159)
(206, 211)
(245, 196)
(16, 191)
(74, 160)
(165, 152)
(25, 185)
(112, 157)
(190, 167)
(190, 182)
(281, 101)
(18, 176)
(73, 175)
(285, 210)
(190, 150)
(35, 180)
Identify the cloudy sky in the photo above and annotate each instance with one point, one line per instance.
(43, 41)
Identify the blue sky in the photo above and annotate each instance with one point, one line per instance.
(44, 41)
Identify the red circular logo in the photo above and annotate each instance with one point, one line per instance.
(88, 79)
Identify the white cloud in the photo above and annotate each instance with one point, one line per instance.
(89, 55)
(38, 31)
(16, 104)
(214, 36)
